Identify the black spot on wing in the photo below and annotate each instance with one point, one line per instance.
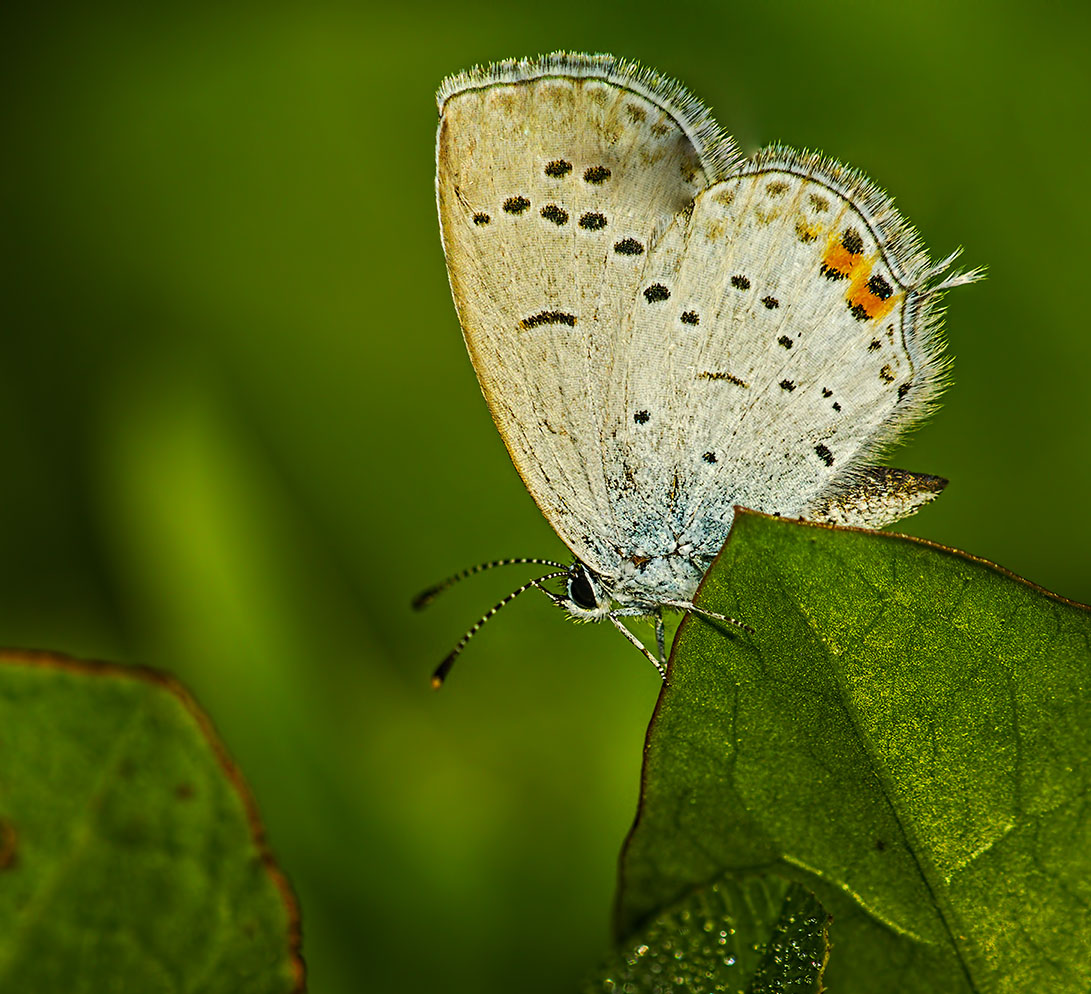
(548, 317)
(878, 286)
(558, 168)
(516, 205)
(656, 292)
(628, 246)
(558, 215)
(593, 221)
(719, 374)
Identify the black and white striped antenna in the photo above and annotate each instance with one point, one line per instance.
(426, 597)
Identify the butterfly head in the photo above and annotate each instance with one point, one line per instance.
(586, 600)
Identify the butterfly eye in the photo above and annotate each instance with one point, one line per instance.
(581, 591)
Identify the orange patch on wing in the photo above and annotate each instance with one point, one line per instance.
(840, 259)
(860, 294)
(873, 306)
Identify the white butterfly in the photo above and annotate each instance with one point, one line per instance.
(664, 329)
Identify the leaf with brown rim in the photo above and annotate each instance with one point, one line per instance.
(131, 852)
(906, 735)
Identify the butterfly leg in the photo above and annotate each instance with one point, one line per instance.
(640, 645)
(690, 606)
(660, 637)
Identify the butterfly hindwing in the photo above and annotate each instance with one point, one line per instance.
(781, 337)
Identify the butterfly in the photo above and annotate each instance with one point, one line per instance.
(664, 329)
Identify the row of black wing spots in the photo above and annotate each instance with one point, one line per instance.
(790, 385)
(559, 168)
(655, 293)
(828, 393)
(589, 221)
(628, 246)
(741, 282)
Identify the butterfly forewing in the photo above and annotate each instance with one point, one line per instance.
(552, 191)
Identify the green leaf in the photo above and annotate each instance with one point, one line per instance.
(907, 735)
(131, 855)
(754, 935)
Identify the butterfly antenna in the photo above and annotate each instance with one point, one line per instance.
(445, 667)
(425, 597)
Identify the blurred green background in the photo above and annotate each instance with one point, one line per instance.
(239, 429)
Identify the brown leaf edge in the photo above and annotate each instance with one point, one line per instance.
(747, 512)
(56, 660)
